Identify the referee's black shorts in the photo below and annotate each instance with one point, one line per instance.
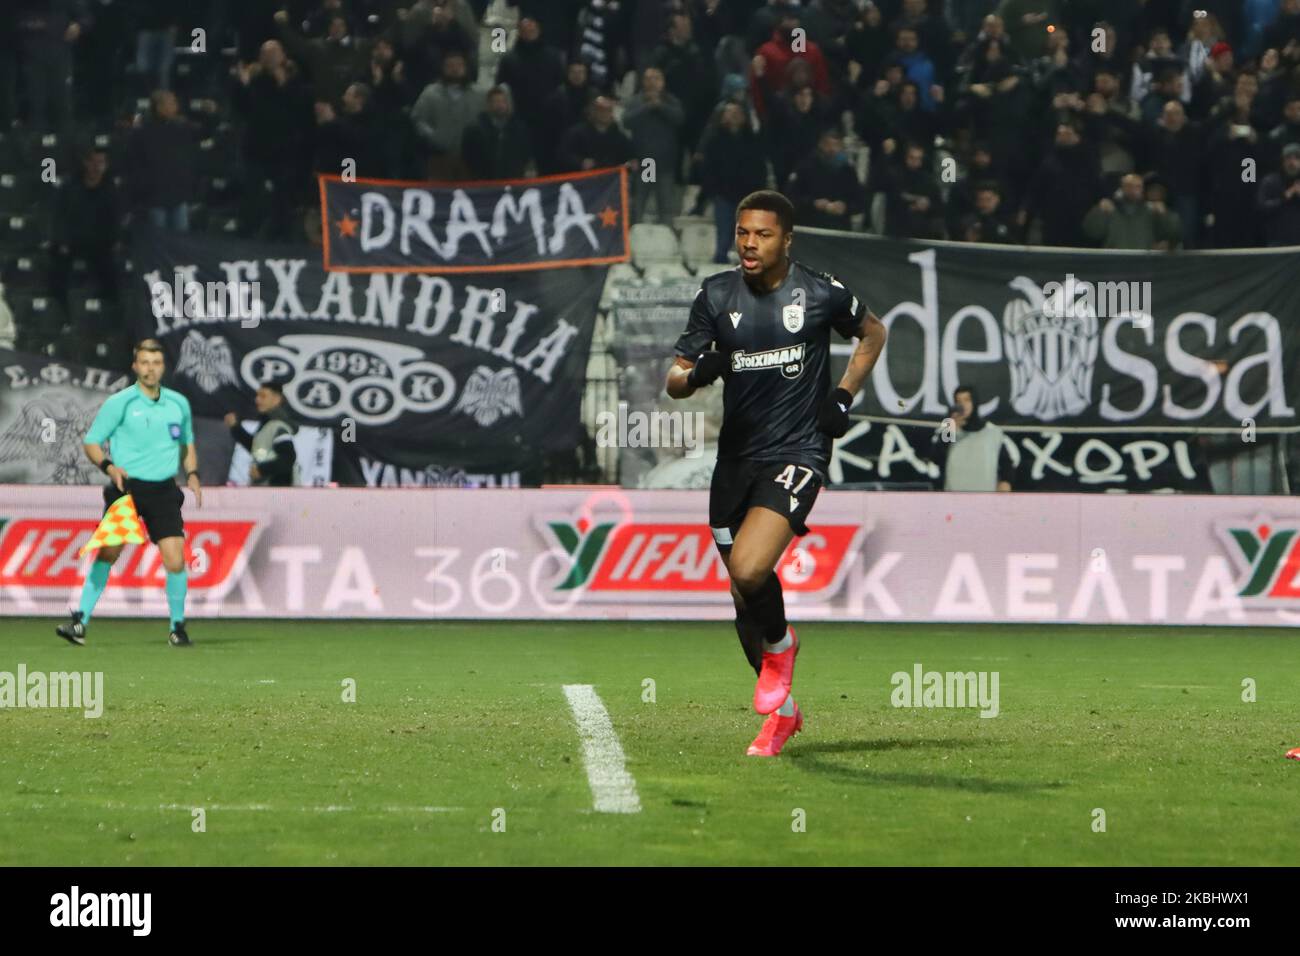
(787, 487)
(157, 502)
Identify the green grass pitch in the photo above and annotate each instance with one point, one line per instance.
(455, 720)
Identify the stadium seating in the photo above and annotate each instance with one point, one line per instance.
(652, 242)
(697, 242)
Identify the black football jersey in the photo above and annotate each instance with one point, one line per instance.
(778, 351)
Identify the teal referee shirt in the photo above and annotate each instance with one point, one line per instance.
(147, 436)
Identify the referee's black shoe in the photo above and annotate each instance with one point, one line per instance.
(73, 632)
(178, 637)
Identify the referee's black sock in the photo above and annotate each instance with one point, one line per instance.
(766, 605)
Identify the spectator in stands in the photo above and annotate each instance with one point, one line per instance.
(992, 30)
(1158, 60)
(797, 119)
(1287, 131)
(917, 65)
(734, 164)
(1277, 83)
(981, 169)
(1065, 187)
(317, 22)
(1129, 221)
(914, 207)
(1217, 81)
(876, 108)
(441, 115)
(389, 98)
(969, 450)
(1285, 30)
(997, 101)
(331, 61)
(1166, 88)
(429, 34)
(162, 159)
(933, 36)
(532, 70)
(824, 187)
(904, 118)
(8, 327)
(602, 41)
(47, 32)
(768, 18)
(867, 46)
(1203, 35)
(556, 18)
(597, 141)
(1175, 152)
(276, 108)
(352, 133)
(497, 145)
(968, 18)
(1279, 200)
(1111, 56)
(85, 223)
(767, 74)
(1026, 24)
(991, 221)
(688, 74)
(1233, 139)
(828, 23)
(1054, 73)
(386, 77)
(565, 108)
(155, 41)
(654, 118)
(1111, 121)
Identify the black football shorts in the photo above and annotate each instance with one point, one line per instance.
(157, 502)
(788, 488)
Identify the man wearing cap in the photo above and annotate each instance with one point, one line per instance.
(1279, 200)
(1216, 82)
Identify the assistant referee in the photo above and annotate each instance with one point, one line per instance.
(147, 428)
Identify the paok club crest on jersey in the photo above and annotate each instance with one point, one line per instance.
(792, 318)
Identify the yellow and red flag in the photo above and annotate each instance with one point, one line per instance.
(121, 525)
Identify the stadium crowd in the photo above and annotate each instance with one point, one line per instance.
(1125, 124)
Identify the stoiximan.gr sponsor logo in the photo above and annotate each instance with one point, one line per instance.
(1266, 553)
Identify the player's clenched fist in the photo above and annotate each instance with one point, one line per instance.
(708, 366)
(833, 419)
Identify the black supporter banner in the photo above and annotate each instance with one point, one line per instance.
(1077, 338)
(418, 375)
(899, 454)
(577, 219)
(46, 407)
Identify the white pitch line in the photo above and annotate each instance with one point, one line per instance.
(249, 807)
(612, 788)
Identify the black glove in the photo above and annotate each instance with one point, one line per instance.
(708, 366)
(833, 418)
